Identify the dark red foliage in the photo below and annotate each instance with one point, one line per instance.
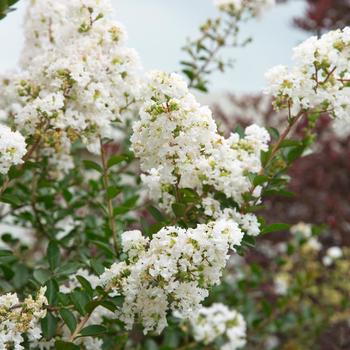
(320, 181)
(324, 15)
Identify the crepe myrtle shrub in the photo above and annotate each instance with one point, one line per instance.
(292, 290)
(321, 175)
(81, 266)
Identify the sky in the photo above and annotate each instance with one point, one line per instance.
(159, 28)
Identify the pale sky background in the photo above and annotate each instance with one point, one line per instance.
(159, 28)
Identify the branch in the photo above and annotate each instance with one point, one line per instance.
(111, 220)
(275, 149)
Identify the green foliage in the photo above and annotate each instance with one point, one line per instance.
(6, 6)
(203, 55)
(95, 202)
(77, 220)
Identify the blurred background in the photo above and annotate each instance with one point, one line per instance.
(285, 271)
(159, 28)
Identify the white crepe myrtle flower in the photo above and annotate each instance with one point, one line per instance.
(248, 223)
(314, 244)
(332, 254)
(12, 148)
(78, 79)
(178, 145)
(172, 273)
(133, 243)
(319, 79)
(303, 229)
(237, 7)
(43, 344)
(217, 321)
(271, 343)
(17, 318)
(281, 284)
(341, 128)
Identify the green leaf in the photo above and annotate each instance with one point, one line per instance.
(49, 325)
(97, 266)
(89, 164)
(240, 131)
(113, 191)
(250, 241)
(188, 195)
(116, 159)
(6, 7)
(172, 338)
(14, 173)
(52, 291)
(150, 344)
(265, 157)
(7, 257)
(53, 255)
(68, 269)
(275, 228)
(80, 300)
(189, 74)
(21, 276)
(274, 133)
(179, 209)
(295, 153)
(85, 284)
(93, 304)
(201, 87)
(67, 195)
(155, 228)
(93, 331)
(41, 275)
(63, 345)
(120, 210)
(11, 199)
(260, 179)
(104, 246)
(69, 319)
(126, 206)
(156, 213)
(131, 202)
(5, 252)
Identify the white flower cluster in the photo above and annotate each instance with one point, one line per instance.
(78, 76)
(17, 318)
(256, 7)
(281, 282)
(320, 78)
(332, 254)
(170, 273)
(179, 146)
(12, 148)
(219, 321)
(305, 230)
(302, 228)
